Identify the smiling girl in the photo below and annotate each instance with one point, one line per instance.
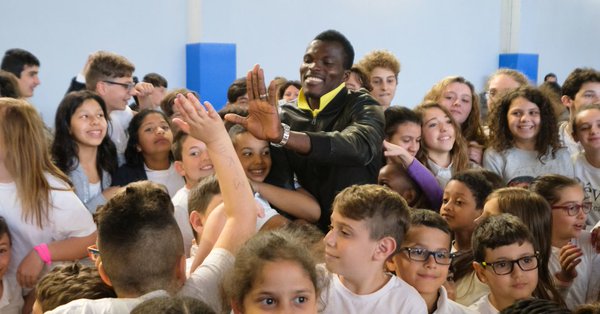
(443, 148)
(524, 139)
(83, 150)
(458, 95)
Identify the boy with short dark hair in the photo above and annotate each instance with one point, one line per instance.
(506, 259)
(25, 66)
(139, 242)
(368, 224)
(193, 163)
(581, 87)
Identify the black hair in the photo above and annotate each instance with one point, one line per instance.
(396, 116)
(64, 148)
(155, 79)
(335, 36)
(236, 89)
(132, 156)
(16, 59)
(496, 231)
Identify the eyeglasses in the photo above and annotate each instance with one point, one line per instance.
(573, 209)
(93, 252)
(526, 263)
(421, 255)
(128, 86)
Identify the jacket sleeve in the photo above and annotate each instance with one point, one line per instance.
(357, 144)
(427, 182)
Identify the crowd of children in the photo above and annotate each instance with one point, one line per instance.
(169, 208)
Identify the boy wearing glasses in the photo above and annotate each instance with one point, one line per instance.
(506, 260)
(424, 260)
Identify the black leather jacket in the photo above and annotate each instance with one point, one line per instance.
(346, 148)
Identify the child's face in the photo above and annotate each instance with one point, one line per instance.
(254, 155)
(588, 129)
(4, 254)
(155, 136)
(427, 276)
(490, 208)
(565, 226)
(348, 246)
(588, 94)
(459, 207)
(523, 120)
(499, 85)
(397, 181)
(195, 160)
(438, 131)
(281, 287)
(115, 95)
(458, 99)
(408, 136)
(383, 81)
(517, 285)
(88, 124)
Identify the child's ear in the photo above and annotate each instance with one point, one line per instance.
(385, 248)
(179, 167)
(235, 308)
(480, 272)
(103, 274)
(196, 221)
(410, 195)
(567, 101)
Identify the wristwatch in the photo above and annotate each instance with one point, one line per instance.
(286, 136)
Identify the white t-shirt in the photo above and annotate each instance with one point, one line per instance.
(190, 260)
(169, 178)
(564, 134)
(447, 306)
(516, 166)
(182, 216)
(117, 130)
(106, 305)
(269, 211)
(584, 288)
(396, 296)
(589, 176)
(11, 301)
(204, 284)
(483, 306)
(67, 218)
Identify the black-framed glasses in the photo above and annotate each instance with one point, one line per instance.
(573, 209)
(128, 86)
(421, 255)
(93, 252)
(526, 263)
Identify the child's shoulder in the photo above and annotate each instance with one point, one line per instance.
(11, 300)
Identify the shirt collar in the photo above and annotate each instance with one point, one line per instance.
(324, 101)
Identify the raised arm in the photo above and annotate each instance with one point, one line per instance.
(298, 203)
(204, 123)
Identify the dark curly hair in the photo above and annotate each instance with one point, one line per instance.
(502, 139)
(64, 147)
(132, 156)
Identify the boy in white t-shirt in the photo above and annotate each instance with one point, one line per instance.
(193, 163)
(424, 260)
(11, 299)
(367, 225)
(506, 260)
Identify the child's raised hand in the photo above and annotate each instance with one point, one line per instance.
(397, 154)
(29, 270)
(569, 258)
(200, 121)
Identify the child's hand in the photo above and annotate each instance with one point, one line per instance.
(475, 151)
(200, 121)
(596, 239)
(569, 258)
(397, 154)
(29, 270)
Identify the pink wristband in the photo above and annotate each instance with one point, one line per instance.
(44, 253)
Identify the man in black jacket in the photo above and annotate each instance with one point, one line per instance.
(332, 138)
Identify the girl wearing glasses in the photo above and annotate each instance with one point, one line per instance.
(573, 256)
(424, 260)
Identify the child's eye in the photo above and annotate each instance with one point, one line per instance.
(268, 301)
(419, 252)
(534, 113)
(432, 125)
(444, 201)
(501, 264)
(300, 299)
